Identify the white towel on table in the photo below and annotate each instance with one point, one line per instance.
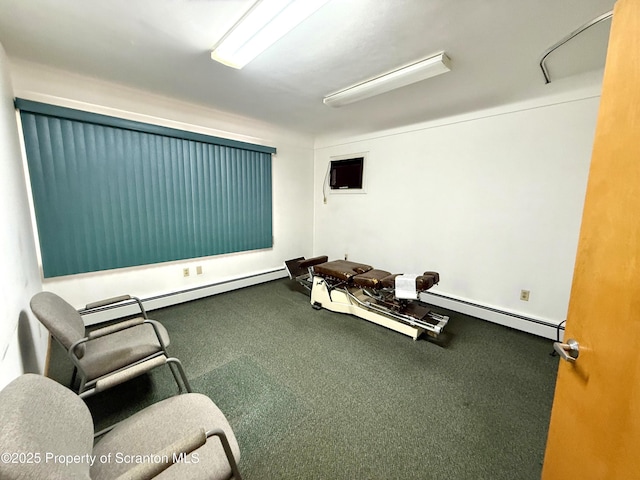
(406, 286)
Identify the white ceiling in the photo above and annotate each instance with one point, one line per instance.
(163, 46)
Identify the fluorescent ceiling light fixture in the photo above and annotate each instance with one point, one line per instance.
(416, 72)
(263, 25)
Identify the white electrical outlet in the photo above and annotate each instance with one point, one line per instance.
(185, 272)
(524, 295)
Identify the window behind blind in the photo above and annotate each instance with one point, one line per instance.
(111, 193)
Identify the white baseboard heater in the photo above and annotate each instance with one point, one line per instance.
(547, 329)
(168, 299)
(543, 328)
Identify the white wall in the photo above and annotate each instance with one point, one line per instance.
(493, 201)
(292, 195)
(23, 341)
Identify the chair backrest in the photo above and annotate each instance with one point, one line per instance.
(42, 423)
(61, 319)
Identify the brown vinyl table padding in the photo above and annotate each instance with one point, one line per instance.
(435, 275)
(310, 262)
(423, 282)
(371, 279)
(365, 276)
(342, 270)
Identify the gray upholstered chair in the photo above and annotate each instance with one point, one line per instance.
(110, 355)
(47, 432)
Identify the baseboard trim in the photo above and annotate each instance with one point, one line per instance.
(168, 299)
(532, 325)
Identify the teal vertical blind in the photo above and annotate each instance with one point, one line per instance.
(107, 197)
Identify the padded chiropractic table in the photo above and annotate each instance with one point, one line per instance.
(390, 300)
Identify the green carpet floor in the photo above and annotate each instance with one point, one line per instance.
(320, 395)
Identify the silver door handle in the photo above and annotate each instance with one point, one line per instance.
(568, 351)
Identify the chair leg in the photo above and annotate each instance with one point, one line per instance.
(73, 377)
(174, 364)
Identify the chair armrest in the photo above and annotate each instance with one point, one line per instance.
(107, 301)
(101, 332)
(167, 457)
(112, 301)
(155, 324)
(116, 327)
(126, 373)
(72, 350)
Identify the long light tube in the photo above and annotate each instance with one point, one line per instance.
(413, 73)
(263, 25)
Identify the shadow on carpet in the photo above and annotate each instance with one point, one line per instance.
(261, 410)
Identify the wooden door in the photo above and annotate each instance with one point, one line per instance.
(595, 421)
